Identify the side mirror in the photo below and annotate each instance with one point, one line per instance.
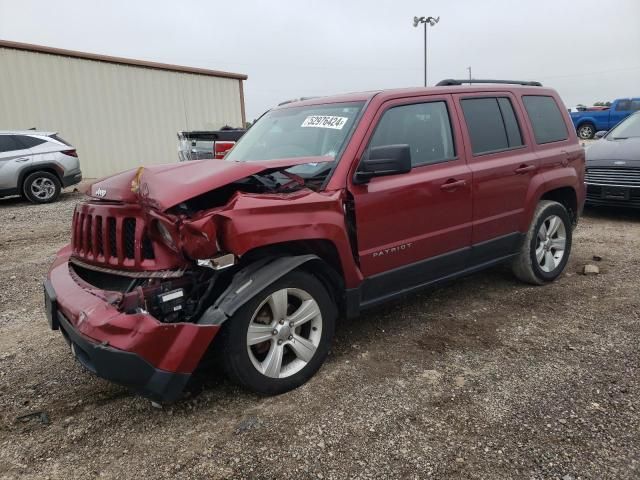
(384, 160)
(600, 134)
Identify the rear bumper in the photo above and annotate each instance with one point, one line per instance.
(71, 179)
(152, 358)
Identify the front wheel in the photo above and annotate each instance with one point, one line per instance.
(546, 247)
(279, 339)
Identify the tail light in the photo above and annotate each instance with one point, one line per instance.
(220, 149)
(71, 153)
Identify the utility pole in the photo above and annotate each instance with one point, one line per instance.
(425, 21)
(469, 68)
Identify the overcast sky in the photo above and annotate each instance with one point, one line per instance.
(587, 50)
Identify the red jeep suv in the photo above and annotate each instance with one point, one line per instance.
(324, 208)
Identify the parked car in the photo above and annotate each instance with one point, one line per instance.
(324, 208)
(588, 122)
(613, 166)
(36, 165)
(207, 145)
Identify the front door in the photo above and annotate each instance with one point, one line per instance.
(13, 158)
(414, 228)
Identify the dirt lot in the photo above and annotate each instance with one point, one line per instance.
(484, 378)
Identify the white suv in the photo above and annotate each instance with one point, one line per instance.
(36, 165)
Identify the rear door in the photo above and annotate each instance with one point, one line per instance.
(502, 163)
(414, 227)
(14, 156)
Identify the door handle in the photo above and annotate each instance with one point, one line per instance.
(22, 159)
(522, 169)
(452, 184)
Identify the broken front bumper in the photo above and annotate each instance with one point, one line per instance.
(152, 358)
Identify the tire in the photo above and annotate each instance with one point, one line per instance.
(41, 187)
(586, 131)
(255, 366)
(541, 258)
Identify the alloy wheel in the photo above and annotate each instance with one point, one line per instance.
(43, 188)
(284, 333)
(551, 243)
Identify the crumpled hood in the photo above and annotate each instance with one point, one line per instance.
(165, 186)
(605, 152)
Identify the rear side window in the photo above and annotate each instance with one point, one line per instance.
(29, 142)
(425, 127)
(623, 106)
(9, 143)
(635, 105)
(546, 119)
(492, 124)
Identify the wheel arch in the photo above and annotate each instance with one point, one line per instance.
(567, 197)
(40, 167)
(263, 266)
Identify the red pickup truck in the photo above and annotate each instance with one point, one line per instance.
(323, 209)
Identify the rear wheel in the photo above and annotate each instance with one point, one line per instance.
(545, 250)
(41, 187)
(279, 339)
(586, 131)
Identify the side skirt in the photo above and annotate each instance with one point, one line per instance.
(402, 281)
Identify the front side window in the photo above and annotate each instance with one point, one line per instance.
(546, 119)
(425, 127)
(492, 124)
(635, 105)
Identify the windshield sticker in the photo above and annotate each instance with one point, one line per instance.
(325, 121)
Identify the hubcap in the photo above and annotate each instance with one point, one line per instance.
(551, 243)
(43, 188)
(284, 333)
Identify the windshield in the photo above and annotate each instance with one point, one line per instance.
(311, 131)
(630, 127)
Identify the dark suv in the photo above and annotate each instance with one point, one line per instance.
(324, 208)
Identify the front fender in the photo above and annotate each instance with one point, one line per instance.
(248, 282)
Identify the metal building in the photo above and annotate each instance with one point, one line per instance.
(119, 113)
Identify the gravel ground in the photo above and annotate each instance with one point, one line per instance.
(483, 378)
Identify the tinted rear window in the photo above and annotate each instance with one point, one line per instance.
(29, 142)
(546, 119)
(492, 124)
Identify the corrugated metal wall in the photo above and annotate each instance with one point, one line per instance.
(117, 116)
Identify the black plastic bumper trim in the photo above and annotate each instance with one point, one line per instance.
(124, 368)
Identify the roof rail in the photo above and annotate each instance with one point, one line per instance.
(451, 81)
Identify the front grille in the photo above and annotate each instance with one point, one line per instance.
(596, 195)
(624, 177)
(109, 239)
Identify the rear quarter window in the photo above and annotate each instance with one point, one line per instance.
(29, 142)
(546, 119)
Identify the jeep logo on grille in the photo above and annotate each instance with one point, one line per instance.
(100, 192)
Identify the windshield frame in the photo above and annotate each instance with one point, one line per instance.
(363, 104)
(609, 135)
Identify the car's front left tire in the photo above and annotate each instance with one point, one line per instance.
(278, 340)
